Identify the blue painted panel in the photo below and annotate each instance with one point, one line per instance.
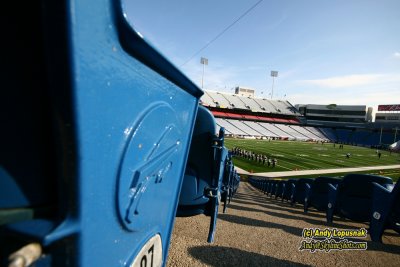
(124, 118)
(134, 133)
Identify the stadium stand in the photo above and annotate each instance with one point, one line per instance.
(249, 116)
(308, 134)
(230, 128)
(324, 132)
(273, 128)
(229, 101)
(207, 101)
(344, 135)
(284, 107)
(219, 100)
(244, 127)
(266, 105)
(252, 105)
(292, 132)
(256, 126)
(236, 102)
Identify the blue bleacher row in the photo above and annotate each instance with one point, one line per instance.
(358, 197)
(364, 137)
(233, 101)
(103, 142)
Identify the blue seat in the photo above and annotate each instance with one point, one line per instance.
(279, 187)
(227, 182)
(352, 198)
(230, 183)
(271, 188)
(96, 130)
(299, 189)
(385, 212)
(317, 193)
(265, 185)
(235, 182)
(258, 183)
(251, 181)
(287, 190)
(202, 185)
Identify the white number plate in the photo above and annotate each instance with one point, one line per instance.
(151, 254)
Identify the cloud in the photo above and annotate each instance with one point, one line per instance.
(370, 98)
(397, 55)
(358, 89)
(346, 81)
(380, 89)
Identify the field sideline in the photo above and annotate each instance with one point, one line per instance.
(297, 156)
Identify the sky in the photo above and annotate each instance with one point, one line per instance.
(344, 52)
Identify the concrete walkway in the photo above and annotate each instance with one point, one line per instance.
(310, 172)
(241, 171)
(257, 230)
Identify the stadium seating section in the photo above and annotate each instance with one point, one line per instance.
(228, 101)
(272, 130)
(358, 197)
(264, 118)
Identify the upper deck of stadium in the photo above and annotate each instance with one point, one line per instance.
(241, 103)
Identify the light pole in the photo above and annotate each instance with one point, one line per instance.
(204, 62)
(274, 74)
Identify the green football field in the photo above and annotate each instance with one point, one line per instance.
(295, 155)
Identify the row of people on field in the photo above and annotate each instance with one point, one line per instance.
(250, 155)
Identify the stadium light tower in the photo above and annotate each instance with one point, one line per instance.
(274, 74)
(204, 62)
